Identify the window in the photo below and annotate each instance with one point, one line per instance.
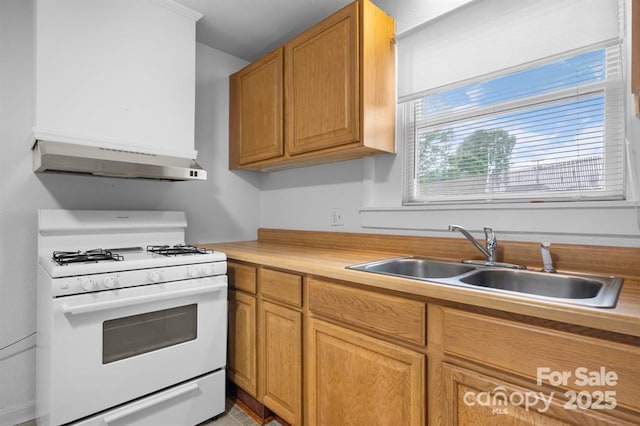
(550, 130)
(514, 101)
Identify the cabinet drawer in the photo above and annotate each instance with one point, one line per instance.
(523, 349)
(394, 316)
(282, 286)
(242, 277)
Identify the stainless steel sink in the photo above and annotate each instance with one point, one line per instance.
(587, 290)
(415, 267)
(543, 285)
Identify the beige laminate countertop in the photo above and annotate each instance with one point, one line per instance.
(331, 263)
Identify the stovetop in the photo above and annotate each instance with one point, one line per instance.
(95, 255)
(64, 263)
(177, 250)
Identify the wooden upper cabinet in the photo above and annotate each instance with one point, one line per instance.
(338, 87)
(256, 97)
(323, 85)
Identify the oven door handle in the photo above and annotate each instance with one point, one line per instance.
(150, 402)
(136, 300)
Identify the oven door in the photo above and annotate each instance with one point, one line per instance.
(113, 346)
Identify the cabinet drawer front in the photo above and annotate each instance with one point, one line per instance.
(242, 277)
(281, 286)
(395, 316)
(523, 349)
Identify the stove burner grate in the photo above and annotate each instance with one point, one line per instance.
(178, 249)
(95, 255)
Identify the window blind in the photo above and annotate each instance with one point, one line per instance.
(552, 129)
(486, 36)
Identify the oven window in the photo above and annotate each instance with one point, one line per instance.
(138, 334)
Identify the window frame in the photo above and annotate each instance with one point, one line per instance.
(612, 87)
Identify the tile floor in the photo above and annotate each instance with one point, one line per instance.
(235, 416)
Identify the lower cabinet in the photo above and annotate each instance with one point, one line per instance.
(281, 361)
(355, 379)
(353, 355)
(473, 399)
(499, 371)
(241, 349)
(264, 355)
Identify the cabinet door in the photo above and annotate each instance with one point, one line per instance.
(256, 107)
(322, 84)
(241, 356)
(474, 399)
(281, 361)
(358, 380)
(489, 341)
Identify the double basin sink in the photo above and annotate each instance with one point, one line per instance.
(586, 290)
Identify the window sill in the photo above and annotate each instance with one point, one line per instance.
(589, 222)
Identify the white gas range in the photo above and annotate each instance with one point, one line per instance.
(131, 321)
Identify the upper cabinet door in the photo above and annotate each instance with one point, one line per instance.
(258, 122)
(322, 84)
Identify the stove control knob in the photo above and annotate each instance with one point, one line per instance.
(207, 270)
(88, 284)
(192, 271)
(155, 276)
(109, 281)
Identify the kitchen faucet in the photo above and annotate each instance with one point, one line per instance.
(489, 252)
(491, 246)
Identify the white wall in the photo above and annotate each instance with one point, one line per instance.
(225, 207)
(303, 198)
(369, 193)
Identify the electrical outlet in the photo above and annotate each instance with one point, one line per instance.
(336, 217)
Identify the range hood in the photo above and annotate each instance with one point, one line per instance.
(60, 157)
(114, 109)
